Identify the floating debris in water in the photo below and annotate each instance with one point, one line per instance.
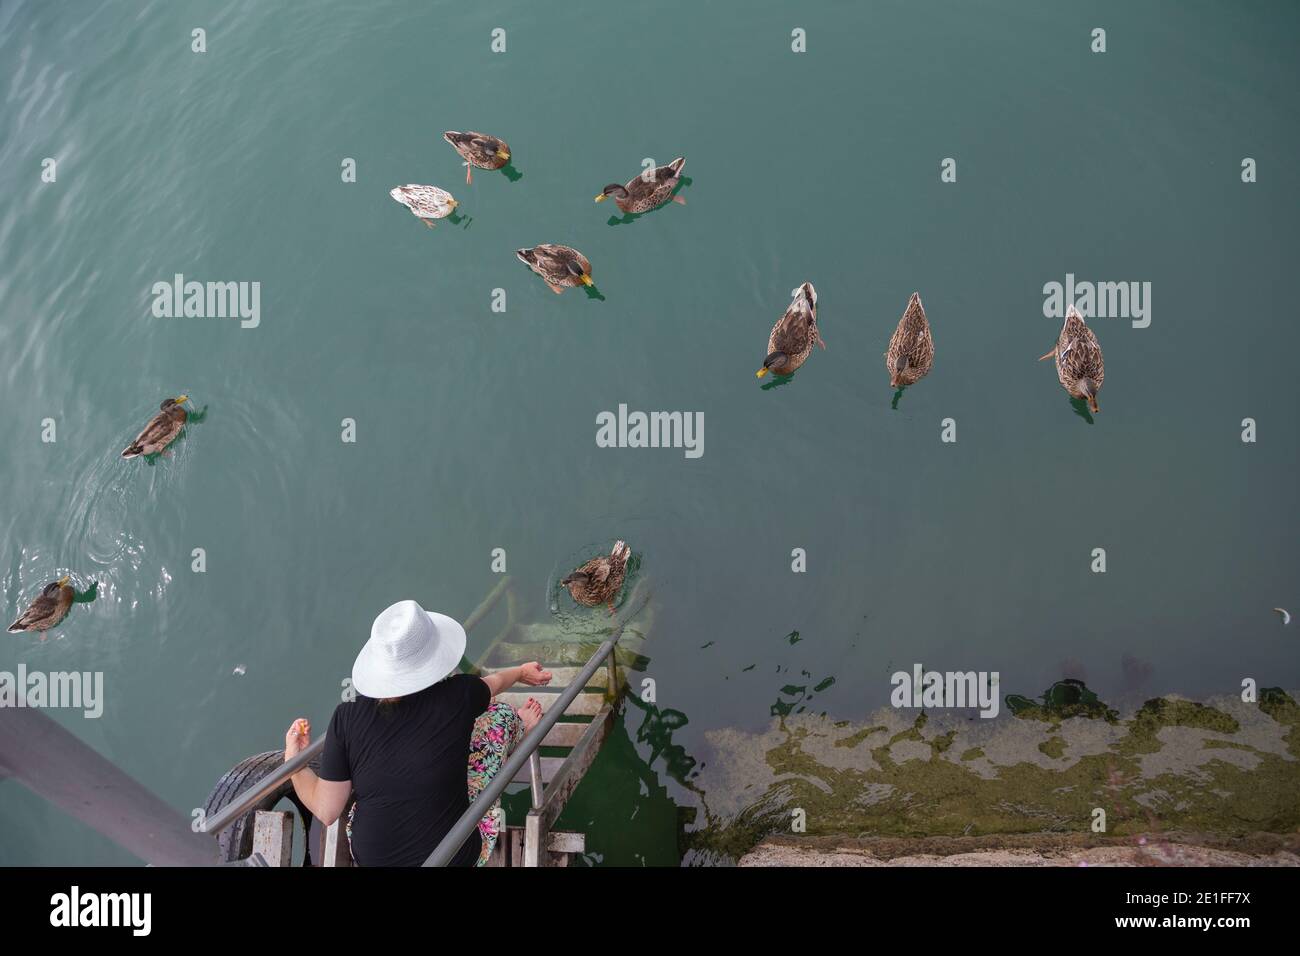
(1286, 615)
(240, 670)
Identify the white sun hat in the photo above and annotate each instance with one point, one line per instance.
(409, 649)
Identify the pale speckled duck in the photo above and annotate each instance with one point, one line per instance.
(161, 430)
(642, 194)
(48, 609)
(478, 149)
(1079, 365)
(598, 581)
(911, 348)
(561, 266)
(794, 334)
(425, 202)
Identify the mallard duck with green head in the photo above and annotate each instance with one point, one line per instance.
(561, 266)
(794, 334)
(648, 190)
(478, 149)
(161, 430)
(48, 609)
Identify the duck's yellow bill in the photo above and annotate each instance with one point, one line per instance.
(762, 371)
(64, 580)
(502, 154)
(601, 198)
(182, 398)
(586, 280)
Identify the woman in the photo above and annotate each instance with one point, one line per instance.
(402, 747)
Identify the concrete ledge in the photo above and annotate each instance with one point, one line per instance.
(1024, 850)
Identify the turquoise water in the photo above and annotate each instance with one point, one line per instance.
(476, 429)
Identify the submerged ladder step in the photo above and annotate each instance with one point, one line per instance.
(564, 735)
(584, 705)
(550, 767)
(510, 847)
(562, 677)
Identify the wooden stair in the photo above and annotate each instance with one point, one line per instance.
(571, 745)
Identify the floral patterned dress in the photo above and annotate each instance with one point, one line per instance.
(497, 732)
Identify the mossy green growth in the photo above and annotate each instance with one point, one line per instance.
(1164, 712)
(1064, 699)
(1054, 747)
(858, 736)
(907, 794)
(1279, 705)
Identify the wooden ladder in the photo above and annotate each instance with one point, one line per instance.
(576, 739)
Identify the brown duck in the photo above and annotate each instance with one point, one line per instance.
(1079, 366)
(794, 334)
(478, 149)
(911, 349)
(561, 266)
(598, 581)
(48, 609)
(641, 195)
(161, 430)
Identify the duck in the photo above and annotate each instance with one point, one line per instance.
(911, 348)
(48, 609)
(560, 266)
(425, 202)
(794, 334)
(478, 149)
(1079, 365)
(642, 195)
(161, 430)
(598, 581)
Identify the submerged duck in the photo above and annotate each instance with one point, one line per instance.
(425, 202)
(598, 581)
(794, 334)
(1079, 366)
(48, 609)
(911, 349)
(641, 195)
(161, 430)
(560, 266)
(478, 149)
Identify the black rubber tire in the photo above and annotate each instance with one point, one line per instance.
(236, 841)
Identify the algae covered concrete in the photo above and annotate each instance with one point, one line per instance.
(1183, 850)
(1060, 765)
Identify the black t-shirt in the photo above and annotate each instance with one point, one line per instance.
(408, 761)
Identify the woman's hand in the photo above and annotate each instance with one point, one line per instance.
(296, 738)
(533, 675)
(530, 674)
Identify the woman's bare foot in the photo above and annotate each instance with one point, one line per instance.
(530, 714)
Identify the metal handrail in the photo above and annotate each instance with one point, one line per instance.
(524, 753)
(249, 798)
